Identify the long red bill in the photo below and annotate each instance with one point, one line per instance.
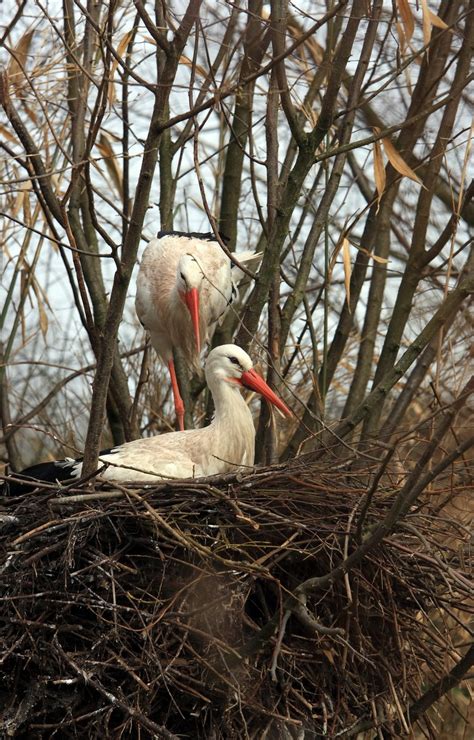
(253, 381)
(191, 298)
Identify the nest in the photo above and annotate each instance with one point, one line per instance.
(170, 611)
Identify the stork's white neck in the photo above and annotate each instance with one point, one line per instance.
(233, 421)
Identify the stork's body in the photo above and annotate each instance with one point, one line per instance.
(223, 446)
(184, 286)
(163, 283)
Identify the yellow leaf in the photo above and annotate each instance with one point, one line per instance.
(8, 254)
(346, 256)
(18, 59)
(437, 21)
(310, 48)
(464, 171)
(43, 317)
(309, 114)
(6, 134)
(406, 17)
(31, 113)
(105, 148)
(121, 48)
(329, 655)
(396, 160)
(150, 39)
(23, 284)
(379, 170)
(21, 202)
(401, 36)
(120, 51)
(27, 207)
(188, 63)
(426, 22)
(375, 257)
(333, 259)
(406, 73)
(18, 202)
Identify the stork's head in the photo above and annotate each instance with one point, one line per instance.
(188, 283)
(229, 363)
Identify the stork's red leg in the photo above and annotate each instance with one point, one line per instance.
(178, 401)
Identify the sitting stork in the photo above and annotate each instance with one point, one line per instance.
(225, 445)
(185, 284)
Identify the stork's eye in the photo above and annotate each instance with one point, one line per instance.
(182, 276)
(234, 361)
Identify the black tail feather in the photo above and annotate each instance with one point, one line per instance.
(58, 471)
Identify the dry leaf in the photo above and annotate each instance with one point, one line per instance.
(55, 182)
(308, 54)
(401, 37)
(27, 206)
(335, 254)
(426, 22)
(31, 113)
(151, 40)
(346, 256)
(333, 258)
(396, 160)
(22, 202)
(437, 21)
(18, 59)
(464, 171)
(406, 74)
(417, 58)
(407, 19)
(105, 148)
(379, 170)
(375, 257)
(6, 134)
(309, 114)
(23, 285)
(329, 655)
(7, 252)
(121, 49)
(188, 63)
(43, 317)
(18, 202)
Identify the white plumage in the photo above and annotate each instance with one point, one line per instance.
(225, 445)
(184, 287)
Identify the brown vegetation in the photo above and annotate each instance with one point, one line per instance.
(218, 609)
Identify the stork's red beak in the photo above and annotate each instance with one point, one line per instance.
(191, 298)
(253, 381)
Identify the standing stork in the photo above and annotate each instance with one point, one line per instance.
(227, 443)
(184, 287)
